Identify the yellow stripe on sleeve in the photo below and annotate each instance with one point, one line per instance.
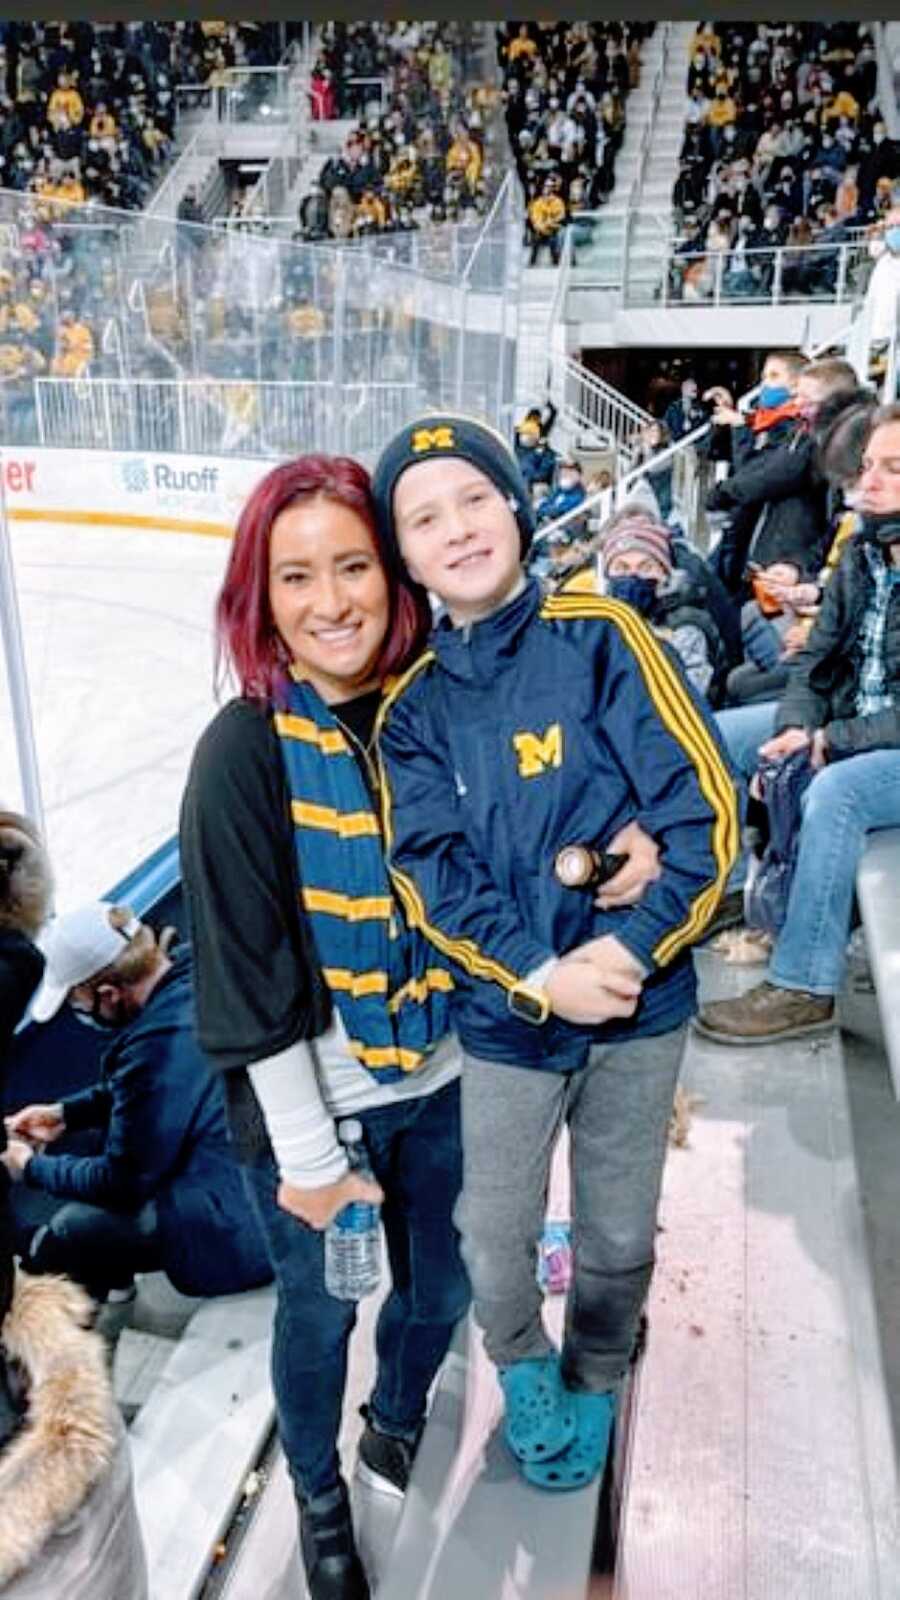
(683, 721)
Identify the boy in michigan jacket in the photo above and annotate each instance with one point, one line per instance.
(535, 722)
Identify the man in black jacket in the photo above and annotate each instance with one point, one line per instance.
(164, 1192)
(842, 705)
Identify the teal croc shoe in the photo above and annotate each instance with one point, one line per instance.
(585, 1458)
(540, 1411)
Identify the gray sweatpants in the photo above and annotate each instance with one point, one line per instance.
(618, 1109)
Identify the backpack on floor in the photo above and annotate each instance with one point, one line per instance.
(768, 886)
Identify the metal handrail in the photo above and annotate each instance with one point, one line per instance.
(776, 255)
(644, 151)
(486, 224)
(622, 488)
(650, 125)
(636, 414)
(226, 383)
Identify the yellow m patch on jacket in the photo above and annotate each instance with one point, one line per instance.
(537, 752)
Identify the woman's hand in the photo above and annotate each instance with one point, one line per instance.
(318, 1207)
(640, 870)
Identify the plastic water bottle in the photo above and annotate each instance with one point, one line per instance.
(353, 1239)
(554, 1264)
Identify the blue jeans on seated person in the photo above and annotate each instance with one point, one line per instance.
(414, 1147)
(100, 1249)
(744, 729)
(843, 803)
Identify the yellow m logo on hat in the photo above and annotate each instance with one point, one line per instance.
(537, 752)
(432, 439)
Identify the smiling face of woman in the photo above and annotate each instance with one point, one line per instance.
(328, 595)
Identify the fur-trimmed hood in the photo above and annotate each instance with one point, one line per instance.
(26, 881)
(70, 1430)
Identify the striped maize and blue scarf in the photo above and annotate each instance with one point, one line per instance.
(391, 988)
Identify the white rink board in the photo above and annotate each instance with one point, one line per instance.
(117, 625)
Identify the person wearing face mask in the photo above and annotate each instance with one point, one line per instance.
(774, 493)
(636, 563)
(765, 241)
(880, 160)
(164, 1190)
(536, 458)
(568, 494)
(884, 284)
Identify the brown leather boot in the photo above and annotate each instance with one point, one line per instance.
(766, 1013)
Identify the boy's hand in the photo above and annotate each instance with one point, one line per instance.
(577, 993)
(612, 961)
(640, 870)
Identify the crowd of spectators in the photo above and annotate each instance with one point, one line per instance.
(565, 87)
(87, 110)
(790, 630)
(417, 153)
(784, 147)
(782, 512)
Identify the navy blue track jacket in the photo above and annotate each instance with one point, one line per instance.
(555, 721)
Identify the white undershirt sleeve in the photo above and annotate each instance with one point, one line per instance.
(301, 1129)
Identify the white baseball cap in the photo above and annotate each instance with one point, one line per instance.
(77, 946)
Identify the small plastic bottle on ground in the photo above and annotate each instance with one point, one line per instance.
(353, 1239)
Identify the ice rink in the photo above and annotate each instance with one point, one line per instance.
(118, 637)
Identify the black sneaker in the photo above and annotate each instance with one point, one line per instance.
(333, 1568)
(385, 1462)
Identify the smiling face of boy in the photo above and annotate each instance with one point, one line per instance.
(458, 536)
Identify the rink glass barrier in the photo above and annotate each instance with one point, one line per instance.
(216, 340)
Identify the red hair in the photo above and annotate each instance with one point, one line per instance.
(246, 637)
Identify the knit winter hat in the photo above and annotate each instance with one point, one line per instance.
(638, 532)
(439, 435)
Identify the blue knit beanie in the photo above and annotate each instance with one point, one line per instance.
(437, 436)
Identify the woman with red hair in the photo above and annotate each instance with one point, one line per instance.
(313, 995)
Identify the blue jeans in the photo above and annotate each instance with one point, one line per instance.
(744, 729)
(842, 804)
(98, 1248)
(415, 1151)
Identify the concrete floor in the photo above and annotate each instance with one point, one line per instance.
(266, 1568)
